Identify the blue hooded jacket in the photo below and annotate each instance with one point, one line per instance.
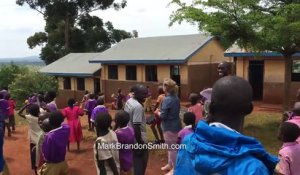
(219, 151)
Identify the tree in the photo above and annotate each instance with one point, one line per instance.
(257, 25)
(8, 73)
(31, 82)
(70, 28)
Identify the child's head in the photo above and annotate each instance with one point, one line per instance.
(86, 92)
(55, 119)
(122, 118)
(34, 110)
(189, 118)
(231, 100)
(288, 132)
(160, 90)
(44, 122)
(50, 96)
(103, 122)
(100, 101)
(92, 96)
(194, 98)
(296, 108)
(71, 102)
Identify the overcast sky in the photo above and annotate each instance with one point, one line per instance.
(148, 17)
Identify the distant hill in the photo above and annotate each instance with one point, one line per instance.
(30, 60)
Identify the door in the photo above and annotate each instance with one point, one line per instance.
(97, 88)
(256, 78)
(175, 75)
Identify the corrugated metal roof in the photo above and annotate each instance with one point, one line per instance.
(154, 50)
(73, 64)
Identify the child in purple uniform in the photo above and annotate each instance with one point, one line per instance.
(50, 99)
(189, 121)
(125, 135)
(99, 108)
(54, 146)
(4, 112)
(90, 105)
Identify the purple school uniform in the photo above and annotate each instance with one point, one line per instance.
(184, 132)
(96, 110)
(90, 105)
(4, 109)
(52, 106)
(55, 143)
(125, 136)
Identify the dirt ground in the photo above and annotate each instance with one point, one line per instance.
(16, 153)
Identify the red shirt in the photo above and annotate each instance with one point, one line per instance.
(12, 106)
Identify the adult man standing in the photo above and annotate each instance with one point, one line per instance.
(134, 106)
(224, 69)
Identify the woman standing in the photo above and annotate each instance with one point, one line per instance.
(170, 121)
(72, 113)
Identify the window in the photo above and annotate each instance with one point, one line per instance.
(151, 73)
(67, 83)
(113, 72)
(296, 70)
(80, 84)
(130, 72)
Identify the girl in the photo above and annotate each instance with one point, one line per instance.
(72, 113)
(34, 130)
(170, 121)
(125, 135)
(107, 159)
(196, 107)
(11, 114)
(189, 121)
(50, 100)
(289, 152)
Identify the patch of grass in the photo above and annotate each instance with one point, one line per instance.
(264, 127)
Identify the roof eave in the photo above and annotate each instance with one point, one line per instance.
(70, 74)
(146, 62)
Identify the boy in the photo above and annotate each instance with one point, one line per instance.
(107, 160)
(217, 147)
(54, 146)
(89, 106)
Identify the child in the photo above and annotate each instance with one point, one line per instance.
(34, 130)
(107, 160)
(189, 121)
(119, 99)
(148, 101)
(296, 116)
(157, 122)
(4, 112)
(72, 113)
(290, 151)
(11, 113)
(46, 127)
(100, 108)
(90, 105)
(125, 135)
(196, 107)
(50, 100)
(216, 146)
(54, 146)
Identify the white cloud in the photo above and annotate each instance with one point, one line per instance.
(148, 17)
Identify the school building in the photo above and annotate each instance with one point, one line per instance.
(75, 75)
(265, 72)
(190, 60)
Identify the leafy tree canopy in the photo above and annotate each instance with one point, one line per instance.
(70, 28)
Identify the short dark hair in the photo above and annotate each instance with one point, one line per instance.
(100, 101)
(102, 122)
(289, 132)
(71, 102)
(34, 110)
(122, 118)
(56, 118)
(194, 98)
(92, 96)
(50, 96)
(189, 118)
(160, 90)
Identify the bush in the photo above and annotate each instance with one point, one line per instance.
(8, 73)
(30, 82)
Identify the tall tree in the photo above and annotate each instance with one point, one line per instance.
(70, 28)
(257, 25)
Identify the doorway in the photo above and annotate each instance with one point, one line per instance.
(175, 75)
(97, 88)
(256, 78)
